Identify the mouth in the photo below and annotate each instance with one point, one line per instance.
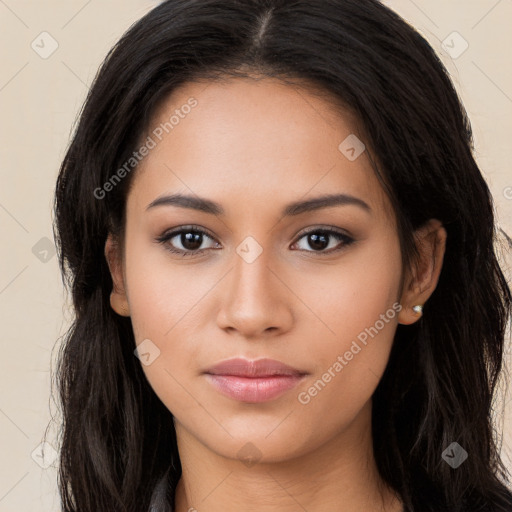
(253, 381)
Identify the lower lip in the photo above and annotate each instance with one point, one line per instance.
(253, 389)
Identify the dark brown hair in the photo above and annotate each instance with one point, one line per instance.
(118, 439)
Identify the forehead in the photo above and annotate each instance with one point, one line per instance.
(254, 139)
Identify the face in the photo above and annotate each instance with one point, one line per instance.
(263, 268)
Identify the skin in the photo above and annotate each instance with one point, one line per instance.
(253, 146)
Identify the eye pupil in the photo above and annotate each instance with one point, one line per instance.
(191, 241)
(319, 242)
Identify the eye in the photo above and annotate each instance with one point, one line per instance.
(320, 239)
(187, 241)
(190, 238)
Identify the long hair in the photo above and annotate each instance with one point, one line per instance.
(118, 439)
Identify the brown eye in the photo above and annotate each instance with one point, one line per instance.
(321, 239)
(185, 241)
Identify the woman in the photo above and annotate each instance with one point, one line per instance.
(280, 250)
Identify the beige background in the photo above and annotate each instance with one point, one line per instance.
(39, 99)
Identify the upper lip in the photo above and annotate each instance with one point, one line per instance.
(259, 368)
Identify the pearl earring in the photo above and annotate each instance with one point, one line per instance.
(418, 309)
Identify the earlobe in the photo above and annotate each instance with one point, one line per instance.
(410, 314)
(431, 244)
(118, 298)
(119, 304)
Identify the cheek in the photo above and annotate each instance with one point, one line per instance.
(358, 309)
(162, 291)
(166, 301)
(346, 299)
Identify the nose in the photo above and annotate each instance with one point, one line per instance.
(256, 301)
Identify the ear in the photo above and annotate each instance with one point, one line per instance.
(421, 281)
(118, 298)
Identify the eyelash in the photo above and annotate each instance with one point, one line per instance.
(163, 239)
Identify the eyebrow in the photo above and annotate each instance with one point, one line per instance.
(292, 209)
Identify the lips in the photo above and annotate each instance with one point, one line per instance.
(253, 381)
(240, 367)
